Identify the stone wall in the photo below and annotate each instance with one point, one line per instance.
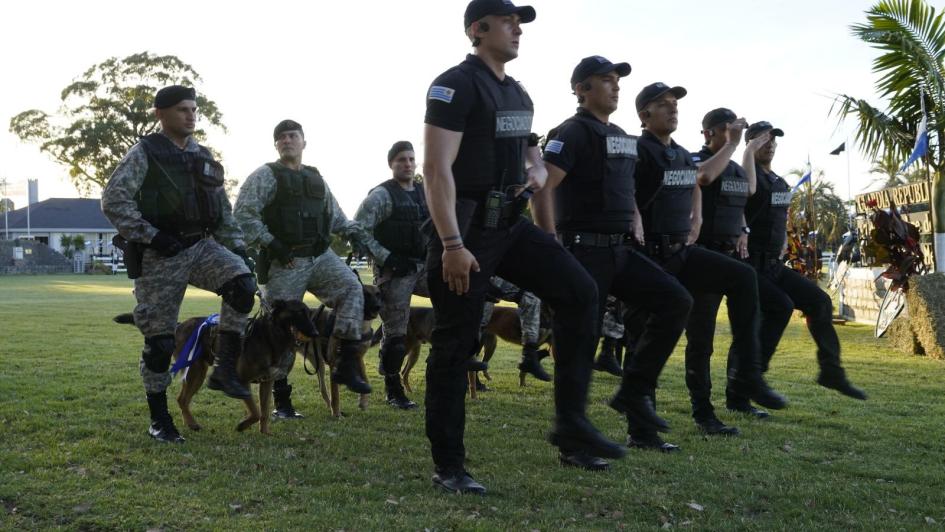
(862, 294)
(38, 258)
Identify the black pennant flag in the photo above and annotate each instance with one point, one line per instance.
(839, 149)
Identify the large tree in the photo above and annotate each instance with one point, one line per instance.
(105, 111)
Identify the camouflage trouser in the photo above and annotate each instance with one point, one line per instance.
(612, 324)
(529, 309)
(161, 287)
(330, 280)
(395, 296)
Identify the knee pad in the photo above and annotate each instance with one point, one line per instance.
(239, 292)
(157, 352)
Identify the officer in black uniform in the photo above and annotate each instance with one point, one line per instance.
(671, 209)
(478, 123)
(782, 290)
(595, 216)
(725, 188)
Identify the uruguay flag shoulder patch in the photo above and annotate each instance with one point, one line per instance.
(554, 146)
(443, 94)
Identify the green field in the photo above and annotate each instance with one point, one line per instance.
(75, 453)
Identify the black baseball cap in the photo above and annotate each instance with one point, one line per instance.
(596, 64)
(478, 9)
(717, 117)
(654, 91)
(760, 127)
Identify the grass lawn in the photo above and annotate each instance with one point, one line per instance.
(74, 452)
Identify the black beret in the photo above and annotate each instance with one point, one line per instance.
(173, 95)
(286, 125)
(399, 146)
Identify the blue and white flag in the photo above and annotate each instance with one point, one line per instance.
(804, 179)
(921, 142)
(443, 94)
(192, 348)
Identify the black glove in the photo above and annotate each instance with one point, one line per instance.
(250, 263)
(400, 265)
(165, 244)
(279, 251)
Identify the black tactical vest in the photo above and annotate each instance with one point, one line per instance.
(487, 160)
(723, 205)
(183, 191)
(400, 232)
(598, 197)
(299, 215)
(668, 210)
(767, 213)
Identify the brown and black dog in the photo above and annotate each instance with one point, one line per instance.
(504, 323)
(269, 345)
(322, 351)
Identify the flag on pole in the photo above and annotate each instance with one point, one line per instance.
(839, 149)
(804, 179)
(921, 138)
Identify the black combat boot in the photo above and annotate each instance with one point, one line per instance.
(836, 379)
(396, 396)
(224, 378)
(282, 394)
(162, 426)
(640, 406)
(348, 370)
(607, 359)
(703, 413)
(530, 363)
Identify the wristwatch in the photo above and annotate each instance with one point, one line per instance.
(746, 229)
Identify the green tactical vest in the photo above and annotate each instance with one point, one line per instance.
(183, 191)
(299, 215)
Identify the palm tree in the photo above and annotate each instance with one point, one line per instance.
(888, 171)
(830, 212)
(912, 38)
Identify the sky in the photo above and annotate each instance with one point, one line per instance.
(355, 74)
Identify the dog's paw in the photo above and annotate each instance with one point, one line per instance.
(194, 426)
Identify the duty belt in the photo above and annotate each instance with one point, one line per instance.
(664, 246)
(189, 238)
(306, 250)
(726, 247)
(594, 240)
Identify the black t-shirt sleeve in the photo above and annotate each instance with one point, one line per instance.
(449, 100)
(568, 144)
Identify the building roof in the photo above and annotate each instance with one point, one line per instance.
(61, 214)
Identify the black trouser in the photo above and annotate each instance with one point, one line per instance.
(534, 261)
(703, 271)
(700, 333)
(636, 280)
(782, 290)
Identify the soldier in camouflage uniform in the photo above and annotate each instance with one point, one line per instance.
(287, 212)
(608, 360)
(167, 201)
(393, 213)
(529, 314)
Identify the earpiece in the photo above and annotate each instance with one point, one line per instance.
(586, 85)
(645, 113)
(483, 26)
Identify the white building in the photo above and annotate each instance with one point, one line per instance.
(48, 221)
